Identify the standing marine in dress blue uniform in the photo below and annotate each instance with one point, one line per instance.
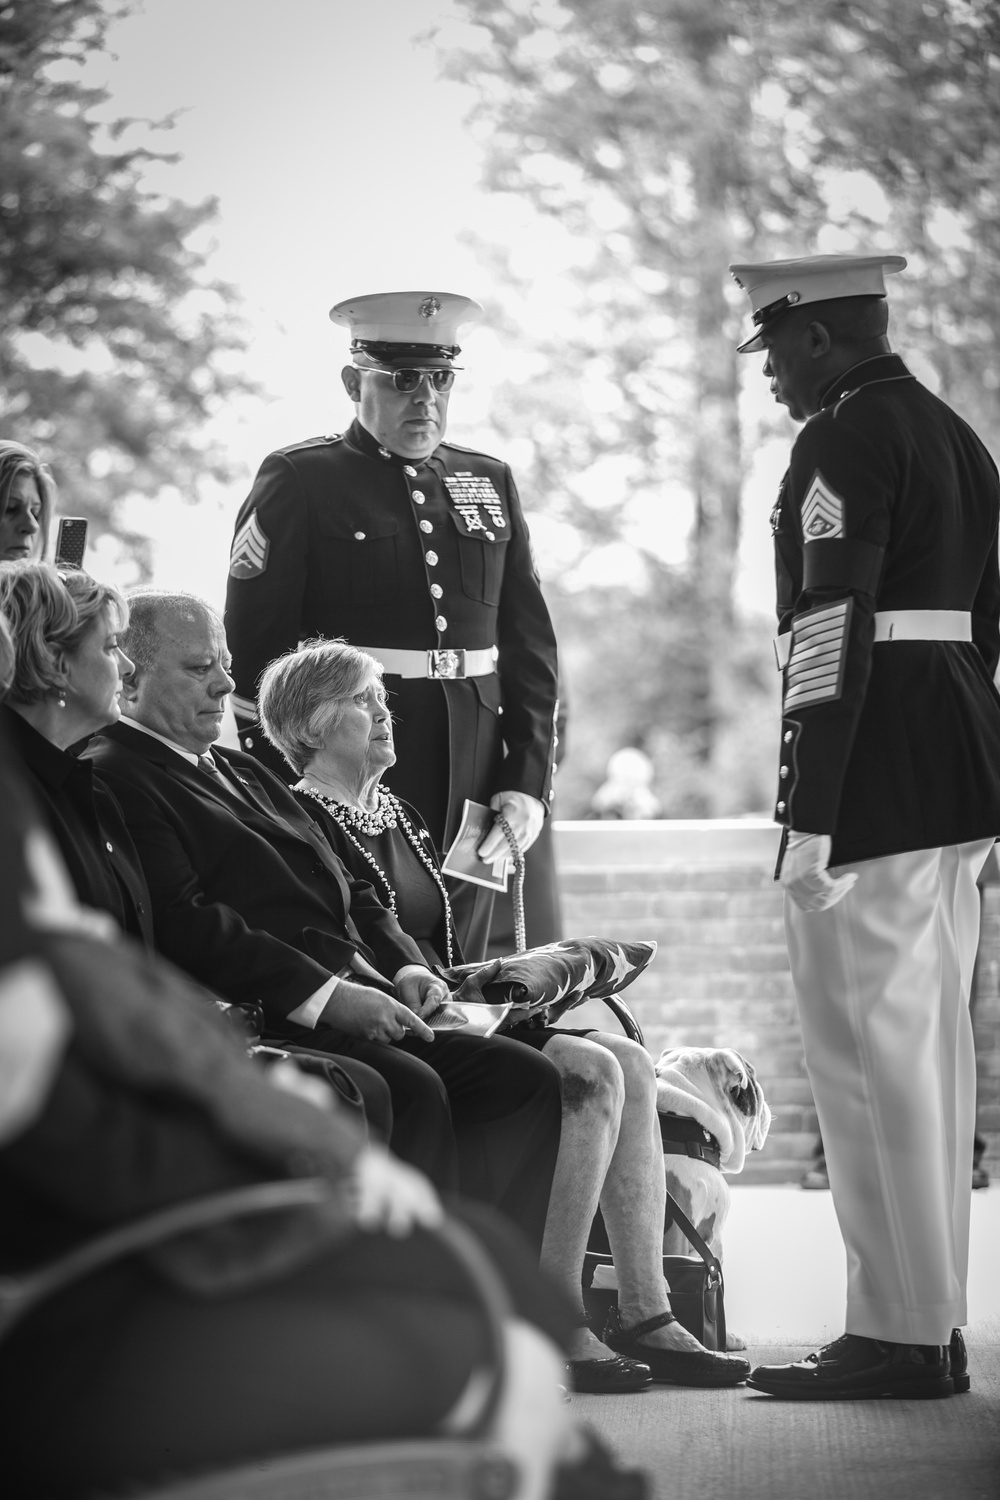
(885, 536)
(415, 550)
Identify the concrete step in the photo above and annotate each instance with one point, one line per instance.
(574, 879)
(600, 911)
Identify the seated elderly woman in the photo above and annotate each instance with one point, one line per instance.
(27, 501)
(325, 709)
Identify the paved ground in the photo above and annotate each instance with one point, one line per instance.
(785, 1294)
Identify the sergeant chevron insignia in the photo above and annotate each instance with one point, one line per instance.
(248, 558)
(822, 511)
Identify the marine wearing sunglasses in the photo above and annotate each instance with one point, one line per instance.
(405, 408)
(408, 380)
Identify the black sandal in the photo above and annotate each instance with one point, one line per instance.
(704, 1367)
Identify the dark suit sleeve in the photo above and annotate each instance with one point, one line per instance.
(264, 602)
(207, 938)
(526, 666)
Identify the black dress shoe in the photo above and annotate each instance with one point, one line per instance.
(608, 1377)
(958, 1358)
(853, 1367)
(702, 1367)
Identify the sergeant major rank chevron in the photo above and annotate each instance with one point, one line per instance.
(248, 558)
(822, 511)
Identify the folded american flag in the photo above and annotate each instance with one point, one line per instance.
(555, 977)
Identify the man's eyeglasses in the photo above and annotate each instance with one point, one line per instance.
(408, 381)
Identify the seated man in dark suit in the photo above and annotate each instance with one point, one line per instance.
(250, 899)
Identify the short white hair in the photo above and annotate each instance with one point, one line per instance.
(302, 695)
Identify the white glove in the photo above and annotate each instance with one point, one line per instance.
(804, 873)
(524, 814)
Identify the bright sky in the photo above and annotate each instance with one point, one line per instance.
(342, 165)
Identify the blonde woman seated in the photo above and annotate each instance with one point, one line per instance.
(324, 707)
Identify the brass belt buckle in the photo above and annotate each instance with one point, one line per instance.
(446, 663)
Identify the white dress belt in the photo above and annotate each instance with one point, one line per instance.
(901, 625)
(446, 662)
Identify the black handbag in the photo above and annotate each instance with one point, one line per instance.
(695, 1282)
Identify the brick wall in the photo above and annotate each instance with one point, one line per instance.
(705, 892)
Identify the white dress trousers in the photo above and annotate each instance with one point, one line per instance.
(882, 982)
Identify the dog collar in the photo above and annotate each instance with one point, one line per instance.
(683, 1136)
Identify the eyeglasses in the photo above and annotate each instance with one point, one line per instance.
(408, 381)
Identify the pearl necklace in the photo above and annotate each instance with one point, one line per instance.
(387, 814)
(373, 822)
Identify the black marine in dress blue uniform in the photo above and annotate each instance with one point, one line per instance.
(889, 504)
(888, 600)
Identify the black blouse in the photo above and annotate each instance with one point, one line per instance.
(88, 825)
(419, 906)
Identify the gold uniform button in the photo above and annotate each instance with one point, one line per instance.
(788, 736)
(426, 526)
(491, 535)
(110, 848)
(359, 536)
(779, 807)
(432, 559)
(248, 742)
(417, 496)
(441, 623)
(436, 591)
(783, 772)
(409, 471)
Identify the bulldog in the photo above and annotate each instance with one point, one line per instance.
(712, 1112)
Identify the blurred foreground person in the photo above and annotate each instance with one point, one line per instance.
(27, 503)
(885, 534)
(121, 1093)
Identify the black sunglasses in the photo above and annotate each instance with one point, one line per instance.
(407, 381)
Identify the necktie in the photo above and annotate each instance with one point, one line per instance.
(222, 783)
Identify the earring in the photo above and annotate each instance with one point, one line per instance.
(61, 698)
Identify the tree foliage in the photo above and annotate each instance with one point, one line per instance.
(671, 137)
(114, 344)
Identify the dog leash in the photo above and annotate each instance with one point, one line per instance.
(517, 893)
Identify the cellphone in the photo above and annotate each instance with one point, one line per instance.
(71, 542)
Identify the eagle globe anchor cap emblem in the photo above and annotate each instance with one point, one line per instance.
(773, 286)
(398, 329)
